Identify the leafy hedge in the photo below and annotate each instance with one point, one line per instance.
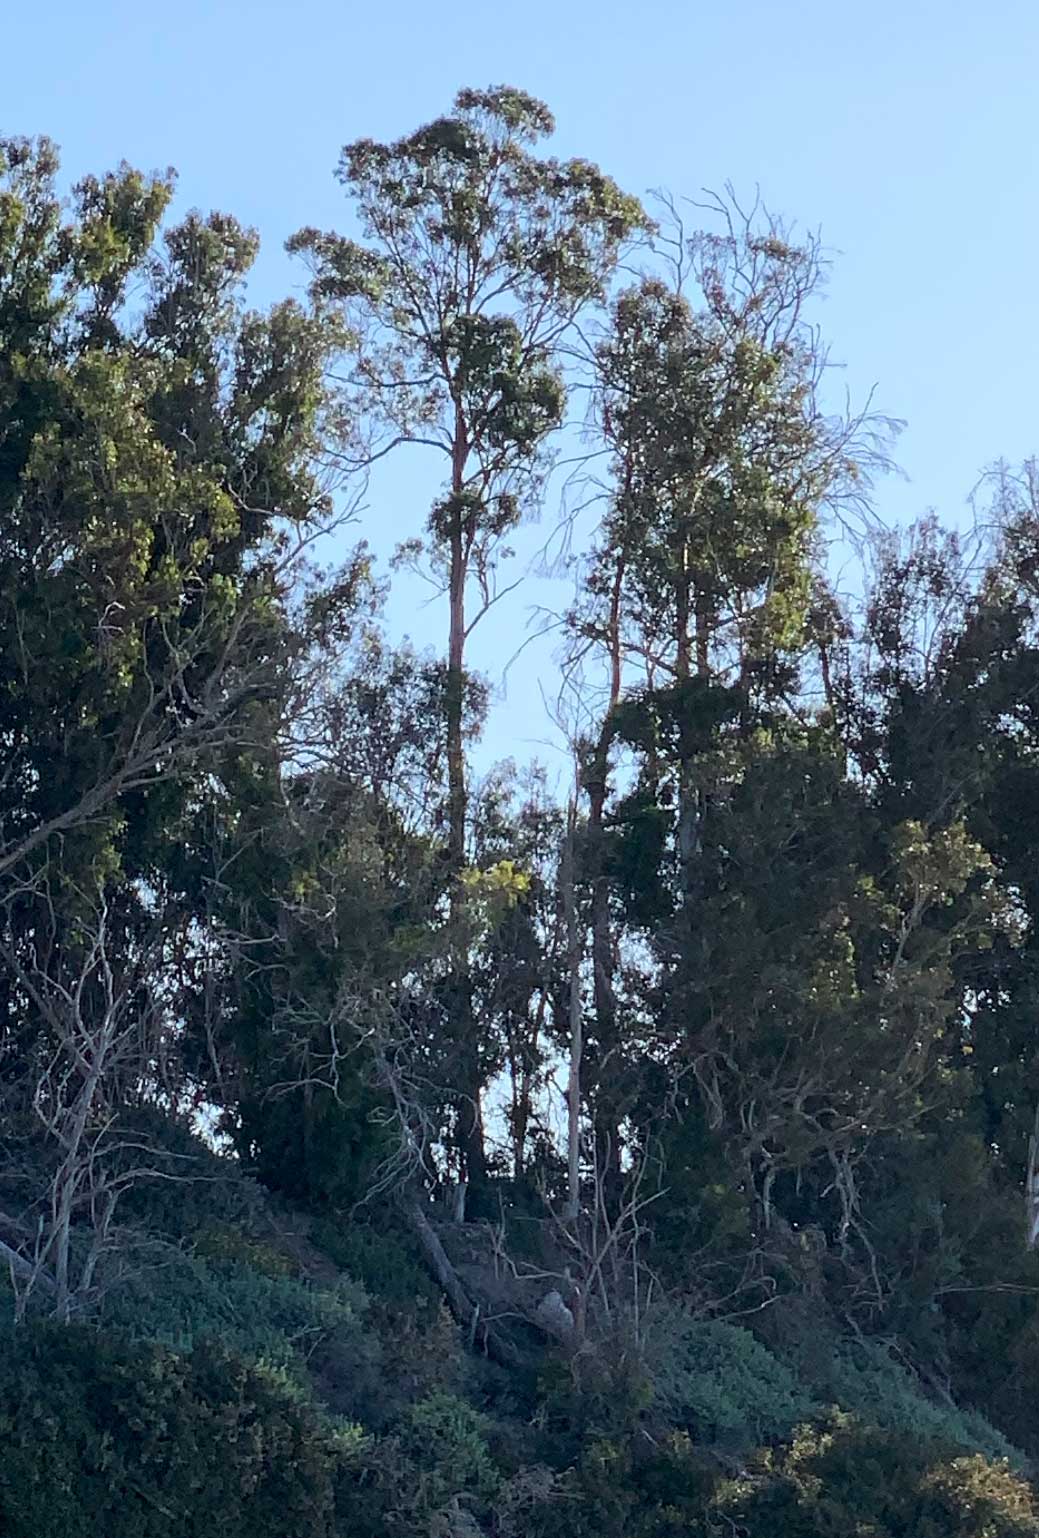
(848, 1478)
(719, 1382)
(103, 1436)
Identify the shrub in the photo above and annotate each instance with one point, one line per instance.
(383, 1260)
(419, 1482)
(443, 1437)
(834, 1480)
(222, 1241)
(103, 1435)
(198, 1188)
(865, 1380)
(420, 1347)
(844, 1477)
(184, 1300)
(720, 1382)
(601, 1395)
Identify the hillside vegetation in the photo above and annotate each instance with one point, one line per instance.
(395, 1146)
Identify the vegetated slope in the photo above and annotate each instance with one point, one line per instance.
(266, 1372)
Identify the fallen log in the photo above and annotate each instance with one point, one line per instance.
(464, 1308)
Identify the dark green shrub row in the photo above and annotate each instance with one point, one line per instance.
(102, 1436)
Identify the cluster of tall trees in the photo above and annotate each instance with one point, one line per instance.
(759, 990)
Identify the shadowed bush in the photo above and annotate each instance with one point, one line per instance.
(101, 1434)
(719, 1381)
(183, 1300)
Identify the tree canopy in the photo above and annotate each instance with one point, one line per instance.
(647, 1153)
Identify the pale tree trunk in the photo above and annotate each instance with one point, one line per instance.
(88, 1052)
(455, 702)
(687, 832)
(574, 951)
(467, 1312)
(606, 1132)
(468, 1107)
(95, 1052)
(692, 609)
(523, 1044)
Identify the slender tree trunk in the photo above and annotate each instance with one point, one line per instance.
(519, 1095)
(521, 1090)
(683, 616)
(606, 1132)
(468, 1111)
(688, 808)
(67, 1178)
(24, 1270)
(694, 603)
(703, 633)
(520, 1123)
(456, 787)
(308, 1121)
(1032, 1188)
(605, 1128)
(573, 949)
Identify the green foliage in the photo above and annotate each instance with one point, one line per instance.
(866, 1381)
(224, 1243)
(844, 1478)
(101, 1435)
(720, 1383)
(472, 362)
(125, 553)
(833, 1480)
(244, 878)
(184, 1300)
(477, 258)
(599, 1398)
(208, 1195)
(443, 1438)
(420, 1350)
(381, 1256)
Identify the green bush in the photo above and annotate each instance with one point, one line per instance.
(601, 1396)
(421, 1351)
(443, 1438)
(383, 1259)
(865, 1380)
(846, 1478)
(835, 1480)
(719, 1382)
(224, 1241)
(101, 1435)
(418, 1482)
(195, 1188)
(182, 1300)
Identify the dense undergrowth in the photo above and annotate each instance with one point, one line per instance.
(239, 1378)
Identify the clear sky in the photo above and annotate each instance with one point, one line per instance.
(906, 130)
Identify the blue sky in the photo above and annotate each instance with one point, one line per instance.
(906, 131)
